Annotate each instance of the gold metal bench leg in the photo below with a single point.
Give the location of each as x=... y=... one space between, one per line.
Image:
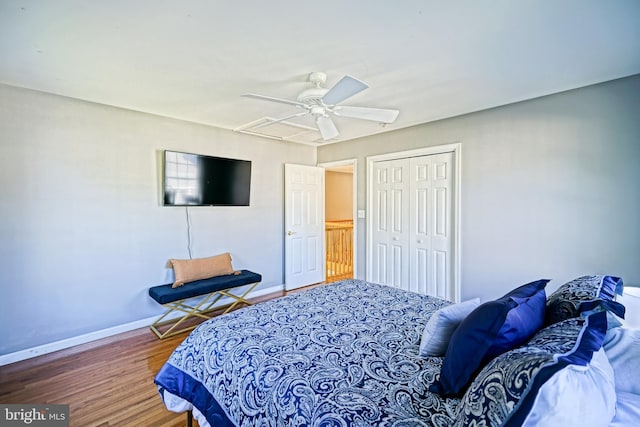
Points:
x=182 y=306
x=239 y=299
x=197 y=311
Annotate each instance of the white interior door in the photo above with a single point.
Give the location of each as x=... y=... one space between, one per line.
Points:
x=304 y=225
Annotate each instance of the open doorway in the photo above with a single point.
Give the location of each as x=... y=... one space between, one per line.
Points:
x=340 y=236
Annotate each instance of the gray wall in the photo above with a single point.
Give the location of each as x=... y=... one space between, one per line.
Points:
x=82 y=230
x=550 y=186
x=549 y=189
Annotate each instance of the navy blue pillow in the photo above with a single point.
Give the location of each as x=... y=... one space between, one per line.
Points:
x=521 y=323
x=491 y=329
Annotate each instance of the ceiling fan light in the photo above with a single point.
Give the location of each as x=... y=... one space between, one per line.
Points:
x=318 y=110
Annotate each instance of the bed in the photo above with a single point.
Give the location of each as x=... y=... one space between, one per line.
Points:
x=349 y=354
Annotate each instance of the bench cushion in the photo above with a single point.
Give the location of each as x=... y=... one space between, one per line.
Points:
x=164 y=294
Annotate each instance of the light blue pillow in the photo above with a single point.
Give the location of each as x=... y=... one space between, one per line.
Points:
x=490 y=329
x=441 y=325
x=561 y=374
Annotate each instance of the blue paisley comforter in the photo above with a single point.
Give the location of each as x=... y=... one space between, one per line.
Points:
x=344 y=354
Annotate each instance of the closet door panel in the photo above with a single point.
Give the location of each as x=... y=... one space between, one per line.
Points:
x=390 y=219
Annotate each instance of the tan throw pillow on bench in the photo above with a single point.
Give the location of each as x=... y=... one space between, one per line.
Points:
x=189 y=270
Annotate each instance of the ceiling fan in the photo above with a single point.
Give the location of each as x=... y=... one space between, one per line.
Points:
x=321 y=103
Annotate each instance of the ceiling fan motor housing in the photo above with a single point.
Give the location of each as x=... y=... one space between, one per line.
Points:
x=312 y=95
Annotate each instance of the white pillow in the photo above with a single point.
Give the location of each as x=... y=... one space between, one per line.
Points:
x=622 y=346
x=627 y=410
x=576 y=396
x=442 y=324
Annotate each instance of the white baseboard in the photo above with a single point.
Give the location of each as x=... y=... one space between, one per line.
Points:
x=29 y=353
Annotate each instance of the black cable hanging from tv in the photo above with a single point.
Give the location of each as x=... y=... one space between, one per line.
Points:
x=186 y=208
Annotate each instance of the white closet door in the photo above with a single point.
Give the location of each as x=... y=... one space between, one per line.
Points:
x=431 y=225
x=391 y=223
x=412 y=224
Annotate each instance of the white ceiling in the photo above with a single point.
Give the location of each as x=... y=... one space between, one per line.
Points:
x=192 y=59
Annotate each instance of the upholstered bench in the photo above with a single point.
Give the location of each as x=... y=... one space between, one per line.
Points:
x=211 y=290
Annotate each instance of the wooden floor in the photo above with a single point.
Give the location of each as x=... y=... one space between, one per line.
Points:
x=108 y=382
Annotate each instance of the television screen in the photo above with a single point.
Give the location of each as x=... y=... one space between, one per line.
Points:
x=197 y=180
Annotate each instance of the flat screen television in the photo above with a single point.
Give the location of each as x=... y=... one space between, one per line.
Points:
x=198 y=180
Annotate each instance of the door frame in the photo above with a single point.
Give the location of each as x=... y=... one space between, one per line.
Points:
x=354 y=203
x=456 y=149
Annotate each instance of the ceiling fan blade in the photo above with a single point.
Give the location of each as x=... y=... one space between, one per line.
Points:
x=327 y=128
x=272 y=99
x=271 y=122
x=375 y=114
x=345 y=88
